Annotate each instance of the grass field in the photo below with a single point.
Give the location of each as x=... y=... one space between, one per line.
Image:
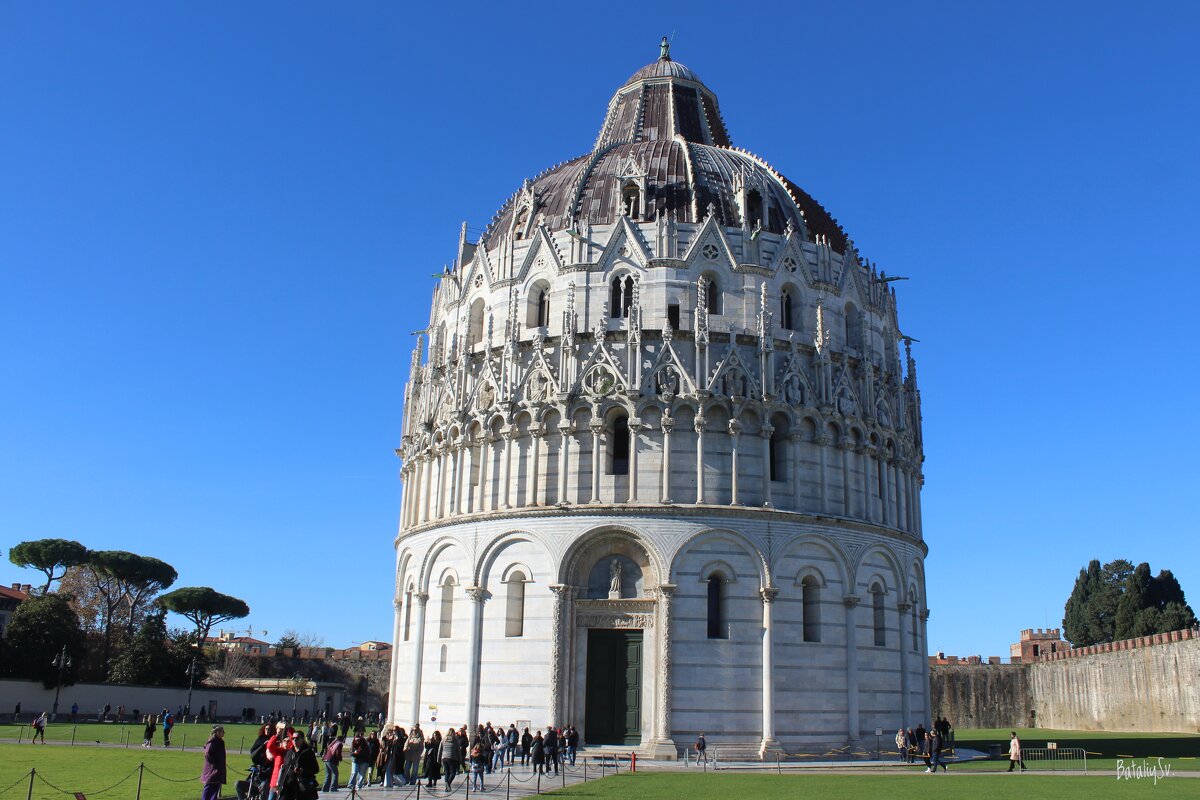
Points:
x=192 y=735
x=169 y=775
x=1103 y=748
x=672 y=786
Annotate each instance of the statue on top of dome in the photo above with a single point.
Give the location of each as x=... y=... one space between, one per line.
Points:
x=664 y=50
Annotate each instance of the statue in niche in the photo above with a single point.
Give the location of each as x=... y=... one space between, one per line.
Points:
x=487 y=396
x=600 y=382
x=668 y=381
x=846 y=405
x=793 y=392
x=614 y=579
x=885 y=419
x=539 y=387
x=735 y=384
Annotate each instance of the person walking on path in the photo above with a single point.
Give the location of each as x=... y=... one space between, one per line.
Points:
x=213 y=774
x=1014 y=753
x=414 y=748
x=332 y=756
x=701 y=749
x=168 y=723
x=902 y=745
x=360 y=762
x=935 y=751
x=537 y=754
x=39 y=728
x=450 y=754
x=148 y=732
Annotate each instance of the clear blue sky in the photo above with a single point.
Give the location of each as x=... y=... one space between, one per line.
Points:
x=218 y=223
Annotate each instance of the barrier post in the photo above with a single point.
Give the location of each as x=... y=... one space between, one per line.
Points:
x=73 y=729
x=508 y=787
x=32 y=772
x=184 y=742
x=778 y=766
x=539 y=783
x=141 y=769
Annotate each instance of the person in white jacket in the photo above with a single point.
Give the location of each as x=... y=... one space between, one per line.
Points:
x=1014 y=753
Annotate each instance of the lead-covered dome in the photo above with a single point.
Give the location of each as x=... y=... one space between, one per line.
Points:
x=663 y=148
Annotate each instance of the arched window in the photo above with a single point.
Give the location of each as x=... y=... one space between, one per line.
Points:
x=537 y=313
x=475 y=332
x=810 y=591
x=631 y=200
x=778 y=446
x=447 y=616
x=716 y=607
x=712 y=297
x=443 y=658
x=786 y=311
x=853 y=327
x=618 y=446
x=514 y=604
x=754 y=208
x=620 y=296
x=880 y=616
x=408 y=598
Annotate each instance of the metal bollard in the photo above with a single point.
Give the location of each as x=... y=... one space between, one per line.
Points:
x=141 y=769
x=73 y=729
x=32 y=772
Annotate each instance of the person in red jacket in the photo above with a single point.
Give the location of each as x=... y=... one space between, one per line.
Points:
x=277 y=748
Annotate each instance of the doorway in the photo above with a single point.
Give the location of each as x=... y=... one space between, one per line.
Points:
x=613 y=704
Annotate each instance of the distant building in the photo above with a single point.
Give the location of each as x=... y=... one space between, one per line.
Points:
x=1036 y=643
x=9 y=600
x=247 y=644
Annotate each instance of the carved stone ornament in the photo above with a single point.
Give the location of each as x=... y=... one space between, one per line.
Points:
x=614 y=613
x=600 y=381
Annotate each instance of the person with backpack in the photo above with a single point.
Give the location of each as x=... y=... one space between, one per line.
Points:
x=39 y=728
x=537 y=754
x=550 y=745
x=478 y=765
x=332 y=756
x=451 y=755
x=701 y=749
x=168 y=723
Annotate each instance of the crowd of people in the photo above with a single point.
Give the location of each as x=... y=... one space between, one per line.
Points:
x=929 y=745
x=393 y=757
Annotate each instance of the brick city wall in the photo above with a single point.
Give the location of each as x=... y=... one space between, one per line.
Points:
x=1149 y=684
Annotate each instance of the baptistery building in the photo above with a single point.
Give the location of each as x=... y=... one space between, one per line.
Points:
x=661 y=458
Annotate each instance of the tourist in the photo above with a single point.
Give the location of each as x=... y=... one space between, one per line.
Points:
x=148 y=731
x=499 y=749
x=701 y=749
x=514 y=742
x=450 y=755
x=74 y=711
x=1014 y=753
x=433 y=747
x=213 y=774
x=550 y=743
x=902 y=745
x=168 y=723
x=478 y=765
x=259 y=758
x=299 y=771
x=537 y=754
x=526 y=745
x=277 y=749
x=39 y=728
x=375 y=765
x=332 y=756
x=414 y=748
x=935 y=750
x=571 y=736
x=360 y=761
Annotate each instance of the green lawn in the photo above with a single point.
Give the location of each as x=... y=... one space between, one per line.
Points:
x=169 y=774
x=191 y=735
x=1106 y=745
x=721 y=786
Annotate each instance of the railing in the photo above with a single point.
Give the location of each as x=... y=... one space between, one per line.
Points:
x=1054 y=758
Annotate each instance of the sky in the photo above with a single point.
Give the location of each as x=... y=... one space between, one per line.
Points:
x=219 y=222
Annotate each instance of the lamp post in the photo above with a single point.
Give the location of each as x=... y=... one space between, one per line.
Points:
x=62 y=661
x=191 y=671
x=297 y=680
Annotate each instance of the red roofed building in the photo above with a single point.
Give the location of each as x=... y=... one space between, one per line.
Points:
x=10 y=598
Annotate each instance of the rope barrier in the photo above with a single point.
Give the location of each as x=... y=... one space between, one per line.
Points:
x=20 y=781
x=173 y=780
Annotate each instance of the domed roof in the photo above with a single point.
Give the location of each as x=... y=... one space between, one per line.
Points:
x=663 y=131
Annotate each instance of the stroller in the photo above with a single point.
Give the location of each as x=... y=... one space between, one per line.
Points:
x=255 y=785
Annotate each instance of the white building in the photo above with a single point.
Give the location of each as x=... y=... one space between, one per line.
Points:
x=661 y=460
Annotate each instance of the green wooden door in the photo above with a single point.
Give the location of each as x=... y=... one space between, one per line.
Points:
x=613 y=703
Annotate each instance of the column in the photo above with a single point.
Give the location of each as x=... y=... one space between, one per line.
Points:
x=918 y=523
x=905 y=644
x=822 y=446
x=901 y=500
x=635 y=428
x=478 y=595
x=868 y=506
x=483 y=502
x=557 y=652
x=597 y=428
x=506 y=455
x=564 y=429
x=418 y=657
x=461 y=506
x=668 y=425
x=769 y=743
x=846 y=446
x=735 y=429
x=664 y=745
x=925 y=662
x=426 y=485
x=536 y=432
x=765 y=433
x=393 y=714
x=797 y=472
x=700 y=426
x=850 y=601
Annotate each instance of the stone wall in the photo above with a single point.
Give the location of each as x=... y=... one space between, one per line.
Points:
x=1150 y=684
x=981 y=695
